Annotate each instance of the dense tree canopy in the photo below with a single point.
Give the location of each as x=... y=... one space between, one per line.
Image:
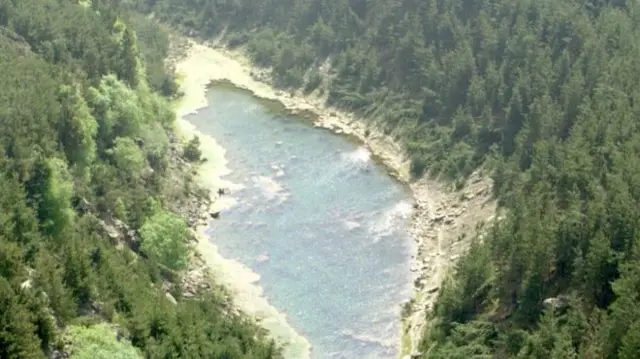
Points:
x=83 y=143
x=544 y=92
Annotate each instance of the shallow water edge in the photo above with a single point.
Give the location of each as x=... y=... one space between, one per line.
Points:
x=311 y=117
x=196 y=73
x=310 y=194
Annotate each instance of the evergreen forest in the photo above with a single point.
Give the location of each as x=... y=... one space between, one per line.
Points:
x=540 y=93
x=543 y=93
x=86 y=133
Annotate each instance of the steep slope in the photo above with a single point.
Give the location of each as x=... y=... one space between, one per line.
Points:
x=91 y=260
x=543 y=93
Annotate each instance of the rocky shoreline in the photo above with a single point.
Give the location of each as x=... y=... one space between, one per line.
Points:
x=443 y=220
x=195 y=71
x=194 y=209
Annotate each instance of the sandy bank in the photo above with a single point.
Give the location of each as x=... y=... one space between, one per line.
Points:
x=442 y=220
x=196 y=70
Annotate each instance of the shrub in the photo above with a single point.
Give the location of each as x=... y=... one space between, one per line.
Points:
x=100 y=342
x=192 y=150
x=315 y=79
x=164 y=238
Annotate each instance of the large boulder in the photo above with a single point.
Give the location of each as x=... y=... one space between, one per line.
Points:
x=556 y=304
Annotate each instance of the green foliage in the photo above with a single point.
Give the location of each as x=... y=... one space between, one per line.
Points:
x=100 y=342
x=468 y=294
x=262 y=47
x=486 y=58
x=55 y=208
x=314 y=80
x=192 y=150
x=77 y=128
x=164 y=237
x=17 y=332
x=127 y=156
x=154 y=49
x=83 y=139
x=542 y=92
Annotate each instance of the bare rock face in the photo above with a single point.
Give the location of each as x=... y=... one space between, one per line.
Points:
x=194 y=282
x=557 y=304
x=171 y=299
x=120 y=233
x=110 y=230
x=26 y=284
x=57 y=354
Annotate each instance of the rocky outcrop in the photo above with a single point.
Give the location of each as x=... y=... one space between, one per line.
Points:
x=120 y=233
x=557 y=304
x=443 y=219
x=196 y=281
x=443 y=223
x=184 y=196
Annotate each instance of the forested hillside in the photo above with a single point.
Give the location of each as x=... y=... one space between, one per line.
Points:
x=544 y=92
x=85 y=152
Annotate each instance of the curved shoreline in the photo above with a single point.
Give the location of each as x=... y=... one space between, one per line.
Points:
x=247 y=295
x=441 y=219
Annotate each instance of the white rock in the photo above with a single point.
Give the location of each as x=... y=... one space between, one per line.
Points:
x=171 y=299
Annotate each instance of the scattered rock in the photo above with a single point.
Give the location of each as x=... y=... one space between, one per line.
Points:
x=194 y=282
x=26 y=284
x=558 y=304
x=83 y=206
x=57 y=354
x=97 y=307
x=433 y=290
x=110 y=230
x=171 y=299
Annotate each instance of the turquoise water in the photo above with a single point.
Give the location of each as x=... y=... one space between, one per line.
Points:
x=318 y=220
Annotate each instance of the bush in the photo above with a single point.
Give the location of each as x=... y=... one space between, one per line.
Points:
x=418 y=164
x=315 y=79
x=236 y=39
x=164 y=238
x=192 y=150
x=100 y=342
x=262 y=48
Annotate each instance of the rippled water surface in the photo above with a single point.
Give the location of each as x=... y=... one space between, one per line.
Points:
x=323 y=226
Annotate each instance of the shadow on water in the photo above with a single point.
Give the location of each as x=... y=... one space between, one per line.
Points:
x=274 y=107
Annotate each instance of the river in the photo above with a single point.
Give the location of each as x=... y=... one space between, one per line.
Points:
x=319 y=221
